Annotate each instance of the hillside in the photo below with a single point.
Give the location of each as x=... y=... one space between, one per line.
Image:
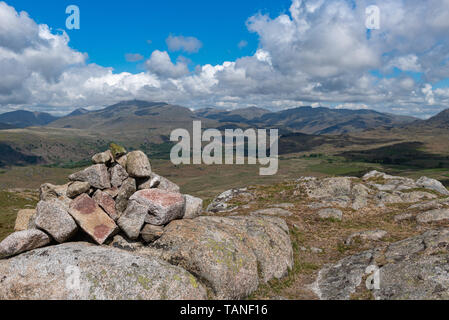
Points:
x=23 y=119
x=329 y=121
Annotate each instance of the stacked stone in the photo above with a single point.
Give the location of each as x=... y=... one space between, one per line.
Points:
x=119 y=193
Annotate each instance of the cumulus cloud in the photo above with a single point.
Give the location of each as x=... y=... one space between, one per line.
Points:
x=161 y=65
x=317 y=53
x=181 y=43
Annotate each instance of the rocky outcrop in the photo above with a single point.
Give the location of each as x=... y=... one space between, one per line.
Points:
x=225 y=253
x=81 y=271
x=151 y=243
x=414 y=268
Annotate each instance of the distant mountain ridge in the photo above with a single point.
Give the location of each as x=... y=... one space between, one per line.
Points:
x=135 y=115
x=23 y=119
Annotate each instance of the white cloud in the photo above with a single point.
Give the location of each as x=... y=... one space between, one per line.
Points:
x=181 y=43
x=315 y=54
x=161 y=65
x=133 y=57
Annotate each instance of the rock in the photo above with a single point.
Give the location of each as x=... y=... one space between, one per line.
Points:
x=127 y=189
x=97 y=176
x=102 y=158
x=53 y=217
x=49 y=191
x=113 y=192
x=22 y=241
x=122 y=160
x=285 y=206
x=432 y=184
x=218 y=257
x=433 y=216
x=118 y=175
x=272 y=212
x=404 y=217
x=92 y=219
x=24 y=219
x=76 y=188
x=117 y=151
x=107 y=203
x=226 y=252
x=372 y=235
x=104 y=273
x=330 y=213
x=221 y=202
x=157 y=181
x=316 y=250
x=122 y=243
x=151 y=233
x=415 y=268
x=162 y=206
x=193 y=207
x=138 y=165
x=132 y=220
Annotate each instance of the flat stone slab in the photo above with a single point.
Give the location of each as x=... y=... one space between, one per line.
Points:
x=24 y=217
x=92 y=219
x=22 y=241
x=107 y=203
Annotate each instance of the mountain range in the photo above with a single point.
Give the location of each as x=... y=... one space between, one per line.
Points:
x=147 y=126
x=142 y=115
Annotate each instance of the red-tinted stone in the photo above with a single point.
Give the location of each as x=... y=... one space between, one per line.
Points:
x=163 y=206
x=107 y=203
x=91 y=218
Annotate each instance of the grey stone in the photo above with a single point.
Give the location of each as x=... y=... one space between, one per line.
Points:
x=127 y=189
x=97 y=176
x=102 y=158
x=118 y=175
x=138 y=165
x=76 y=188
x=157 y=181
x=53 y=217
x=272 y=212
x=193 y=207
x=22 y=241
x=226 y=252
x=132 y=220
x=433 y=216
x=330 y=213
x=432 y=184
x=371 y=235
x=412 y=269
x=151 y=233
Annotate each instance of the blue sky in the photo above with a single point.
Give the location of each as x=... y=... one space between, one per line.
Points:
x=295 y=53
x=111 y=29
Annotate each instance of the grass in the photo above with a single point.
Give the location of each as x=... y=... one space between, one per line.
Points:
x=10 y=203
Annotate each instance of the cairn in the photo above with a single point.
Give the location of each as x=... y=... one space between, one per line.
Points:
x=118 y=194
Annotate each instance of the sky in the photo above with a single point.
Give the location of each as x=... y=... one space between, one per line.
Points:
x=234 y=54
